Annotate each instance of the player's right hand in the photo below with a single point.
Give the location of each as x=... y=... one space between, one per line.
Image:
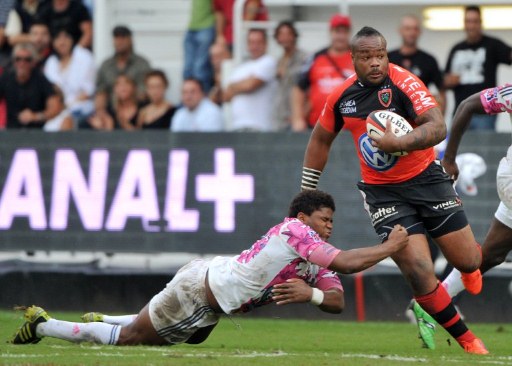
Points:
x=451 y=168
x=398 y=237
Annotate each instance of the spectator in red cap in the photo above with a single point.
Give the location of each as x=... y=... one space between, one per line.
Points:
x=323 y=72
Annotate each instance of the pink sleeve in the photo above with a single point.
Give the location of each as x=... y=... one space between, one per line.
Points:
x=497 y=100
x=308 y=244
x=323 y=255
x=488 y=98
x=327 y=280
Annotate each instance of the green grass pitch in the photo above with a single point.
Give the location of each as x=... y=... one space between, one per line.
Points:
x=268 y=342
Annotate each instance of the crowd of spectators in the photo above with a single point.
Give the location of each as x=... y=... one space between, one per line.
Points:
x=49 y=78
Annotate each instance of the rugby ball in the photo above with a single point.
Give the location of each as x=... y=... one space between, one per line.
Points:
x=376 y=125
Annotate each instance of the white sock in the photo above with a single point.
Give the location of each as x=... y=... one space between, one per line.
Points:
x=453 y=284
x=119 y=319
x=79 y=332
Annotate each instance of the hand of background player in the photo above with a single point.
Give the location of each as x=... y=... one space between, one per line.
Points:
x=294 y=290
x=388 y=142
x=398 y=238
x=451 y=168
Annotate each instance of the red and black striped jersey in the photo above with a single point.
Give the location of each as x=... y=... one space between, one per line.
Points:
x=348 y=106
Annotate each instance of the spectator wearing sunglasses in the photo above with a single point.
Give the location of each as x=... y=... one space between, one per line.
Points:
x=31 y=99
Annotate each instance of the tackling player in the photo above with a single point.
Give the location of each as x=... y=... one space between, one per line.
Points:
x=413 y=190
x=291 y=263
x=498 y=241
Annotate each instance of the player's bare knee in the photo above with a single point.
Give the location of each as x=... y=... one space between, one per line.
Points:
x=470 y=263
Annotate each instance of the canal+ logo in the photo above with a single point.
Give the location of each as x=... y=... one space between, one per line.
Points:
x=375 y=158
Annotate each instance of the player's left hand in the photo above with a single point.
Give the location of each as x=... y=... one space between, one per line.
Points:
x=294 y=290
x=389 y=142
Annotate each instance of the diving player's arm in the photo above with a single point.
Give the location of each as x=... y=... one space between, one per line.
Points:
x=359 y=259
x=295 y=290
x=332 y=299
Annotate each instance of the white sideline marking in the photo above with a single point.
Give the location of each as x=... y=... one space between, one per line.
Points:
x=240 y=355
x=25 y=355
x=500 y=360
x=383 y=357
x=257 y=354
x=419 y=359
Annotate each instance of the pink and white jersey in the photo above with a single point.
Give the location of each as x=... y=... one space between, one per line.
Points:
x=289 y=250
x=497 y=100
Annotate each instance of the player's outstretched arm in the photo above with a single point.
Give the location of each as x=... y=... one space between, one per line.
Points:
x=460 y=123
x=295 y=290
x=356 y=260
x=315 y=158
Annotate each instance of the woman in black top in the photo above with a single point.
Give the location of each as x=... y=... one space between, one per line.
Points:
x=124 y=112
x=158 y=112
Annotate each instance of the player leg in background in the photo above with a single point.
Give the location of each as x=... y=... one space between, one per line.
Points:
x=39 y=324
x=416 y=265
x=110 y=319
x=497 y=244
x=198 y=337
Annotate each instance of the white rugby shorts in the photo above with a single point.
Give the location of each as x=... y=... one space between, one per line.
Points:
x=504 y=187
x=504 y=179
x=182 y=308
x=504 y=215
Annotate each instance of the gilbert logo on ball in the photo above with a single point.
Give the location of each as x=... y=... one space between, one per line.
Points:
x=376 y=125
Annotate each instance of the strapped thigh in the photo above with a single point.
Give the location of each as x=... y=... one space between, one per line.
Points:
x=412 y=224
x=441 y=225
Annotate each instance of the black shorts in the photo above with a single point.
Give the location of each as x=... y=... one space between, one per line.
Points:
x=427 y=201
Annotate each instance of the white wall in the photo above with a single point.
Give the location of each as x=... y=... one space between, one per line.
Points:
x=159 y=27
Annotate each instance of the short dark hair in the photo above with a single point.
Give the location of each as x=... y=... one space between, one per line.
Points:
x=128 y=78
x=121 y=31
x=309 y=201
x=197 y=81
x=472 y=8
x=40 y=23
x=286 y=24
x=64 y=31
x=157 y=73
x=258 y=30
x=364 y=32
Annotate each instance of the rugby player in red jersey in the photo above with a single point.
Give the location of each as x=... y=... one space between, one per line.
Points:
x=413 y=190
